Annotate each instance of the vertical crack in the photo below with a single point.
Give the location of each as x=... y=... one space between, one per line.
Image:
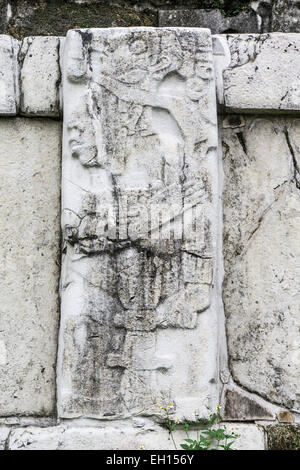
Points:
x=296 y=175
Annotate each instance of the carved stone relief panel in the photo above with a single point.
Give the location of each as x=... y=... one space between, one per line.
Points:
x=139 y=221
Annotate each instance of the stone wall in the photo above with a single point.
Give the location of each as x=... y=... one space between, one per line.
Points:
x=196 y=304
x=22 y=18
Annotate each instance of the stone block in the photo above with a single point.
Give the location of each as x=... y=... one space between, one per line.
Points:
x=139 y=326
x=120 y=436
x=30 y=153
x=262 y=252
x=243 y=406
x=285 y=417
x=244 y=22
x=251 y=436
x=40 y=76
x=9 y=78
x=4 y=432
x=263 y=75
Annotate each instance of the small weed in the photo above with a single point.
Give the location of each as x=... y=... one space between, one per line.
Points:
x=214 y=437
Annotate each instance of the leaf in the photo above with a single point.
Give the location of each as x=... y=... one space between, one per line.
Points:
x=185 y=446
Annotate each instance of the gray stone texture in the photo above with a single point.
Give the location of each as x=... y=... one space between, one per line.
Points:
x=286 y=16
x=40 y=76
x=120 y=436
x=139 y=322
x=30 y=213
x=261 y=255
x=9 y=76
x=263 y=75
x=244 y=22
x=240 y=406
x=4 y=432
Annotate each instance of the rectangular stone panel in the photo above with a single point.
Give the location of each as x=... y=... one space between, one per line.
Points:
x=262 y=255
x=246 y=21
x=29 y=244
x=40 y=76
x=124 y=435
x=9 y=76
x=264 y=73
x=139 y=221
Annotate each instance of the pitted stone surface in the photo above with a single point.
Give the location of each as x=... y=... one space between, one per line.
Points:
x=264 y=73
x=40 y=76
x=4 y=432
x=242 y=406
x=261 y=249
x=286 y=16
x=245 y=22
x=9 y=82
x=139 y=325
x=29 y=213
x=281 y=437
x=120 y=436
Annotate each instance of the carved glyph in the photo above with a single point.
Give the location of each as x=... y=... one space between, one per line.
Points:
x=139 y=222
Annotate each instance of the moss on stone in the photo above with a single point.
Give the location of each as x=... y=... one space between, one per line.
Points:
x=56 y=17
x=282 y=437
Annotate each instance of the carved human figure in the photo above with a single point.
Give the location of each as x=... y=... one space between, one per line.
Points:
x=144 y=122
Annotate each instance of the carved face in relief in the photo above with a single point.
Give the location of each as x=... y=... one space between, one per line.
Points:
x=80 y=141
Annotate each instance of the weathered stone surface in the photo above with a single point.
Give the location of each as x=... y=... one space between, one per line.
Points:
x=120 y=436
x=262 y=252
x=3 y=17
x=251 y=436
x=222 y=60
x=283 y=437
x=56 y=17
x=263 y=75
x=40 y=76
x=263 y=10
x=29 y=272
x=285 y=417
x=286 y=16
x=240 y=406
x=139 y=325
x=9 y=83
x=4 y=432
x=244 y=22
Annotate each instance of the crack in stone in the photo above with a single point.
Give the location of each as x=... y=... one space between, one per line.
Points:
x=294 y=160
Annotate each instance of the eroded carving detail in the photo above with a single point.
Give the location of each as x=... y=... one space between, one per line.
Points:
x=138 y=209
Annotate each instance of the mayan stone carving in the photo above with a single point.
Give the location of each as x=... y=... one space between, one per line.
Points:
x=139 y=325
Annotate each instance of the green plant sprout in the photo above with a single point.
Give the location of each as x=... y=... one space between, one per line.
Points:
x=215 y=436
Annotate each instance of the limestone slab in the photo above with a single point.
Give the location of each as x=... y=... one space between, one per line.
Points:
x=4 y=432
x=244 y=22
x=264 y=73
x=40 y=76
x=9 y=79
x=30 y=235
x=261 y=251
x=120 y=436
x=139 y=325
x=242 y=406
